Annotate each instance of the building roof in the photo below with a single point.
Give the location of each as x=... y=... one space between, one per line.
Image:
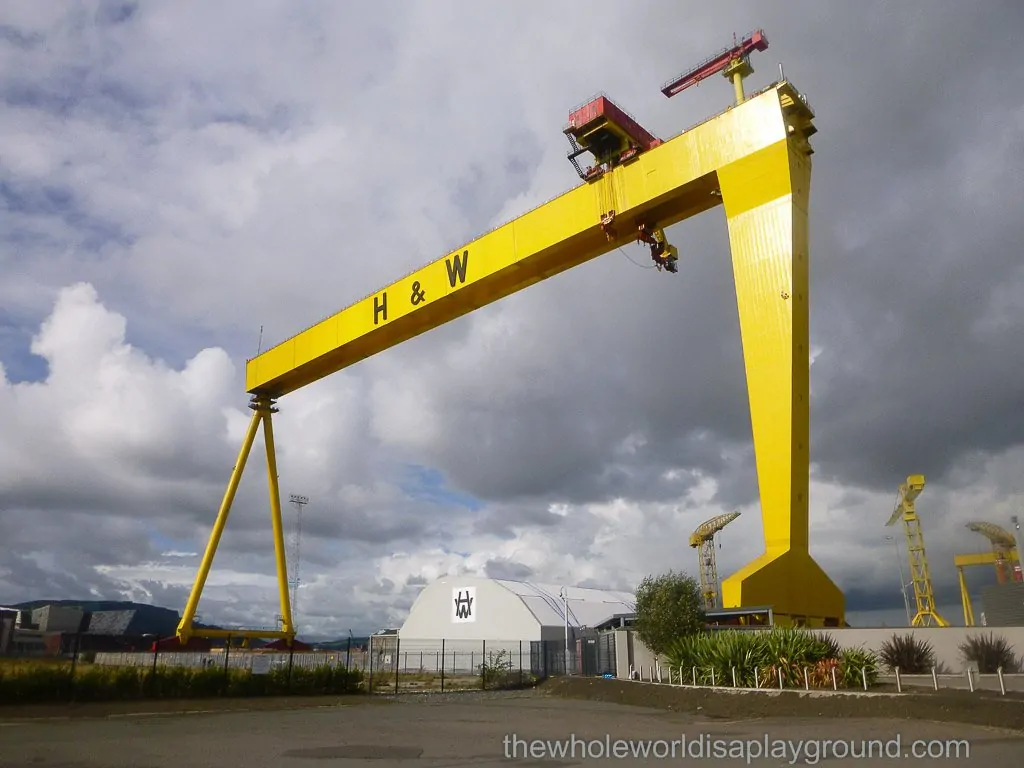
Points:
x=586 y=607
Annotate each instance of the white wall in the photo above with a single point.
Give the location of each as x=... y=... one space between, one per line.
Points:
x=945 y=642
x=495 y=614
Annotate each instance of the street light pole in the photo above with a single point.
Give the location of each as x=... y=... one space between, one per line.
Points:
x=903 y=583
x=565 y=612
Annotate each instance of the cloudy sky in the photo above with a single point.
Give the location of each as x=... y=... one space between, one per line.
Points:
x=176 y=177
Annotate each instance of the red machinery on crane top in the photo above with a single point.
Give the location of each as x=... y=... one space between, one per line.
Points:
x=606 y=131
x=755 y=41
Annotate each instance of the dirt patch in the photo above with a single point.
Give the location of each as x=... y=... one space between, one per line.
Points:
x=943 y=706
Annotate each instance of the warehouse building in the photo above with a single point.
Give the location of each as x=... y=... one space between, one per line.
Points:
x=460 y=622
x=468 y=608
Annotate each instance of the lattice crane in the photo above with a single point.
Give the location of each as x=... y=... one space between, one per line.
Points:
x=927 y=615
x=703 y=540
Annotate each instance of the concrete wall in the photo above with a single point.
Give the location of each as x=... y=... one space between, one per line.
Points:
x=945 y=642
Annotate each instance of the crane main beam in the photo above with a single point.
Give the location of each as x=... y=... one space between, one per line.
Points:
x=754 y=159
x=745 y=149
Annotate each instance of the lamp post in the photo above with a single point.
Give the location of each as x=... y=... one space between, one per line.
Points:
x=564 y=594
x=903 y=583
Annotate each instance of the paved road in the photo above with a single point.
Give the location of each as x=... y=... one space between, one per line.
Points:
x=466 y=731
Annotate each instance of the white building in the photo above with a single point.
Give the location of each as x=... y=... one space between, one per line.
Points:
x=471 y=609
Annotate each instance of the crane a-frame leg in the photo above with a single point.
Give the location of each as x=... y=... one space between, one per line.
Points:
x=262 y=408
x=766 y=195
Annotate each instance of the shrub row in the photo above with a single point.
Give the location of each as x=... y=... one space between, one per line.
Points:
x=758 y=656
x=32 y=684
x=914 y=656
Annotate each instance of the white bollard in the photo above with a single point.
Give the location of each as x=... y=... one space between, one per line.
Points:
x=757 y=679
x=864 y=676
x=835 y=685
x=970 y=679
x=935 y=679
x=734 y=677
x=694 y=677
x=1002 y=684
x=712 y=677
x=807 y=682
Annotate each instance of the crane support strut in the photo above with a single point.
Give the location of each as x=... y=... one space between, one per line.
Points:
x=754 y=159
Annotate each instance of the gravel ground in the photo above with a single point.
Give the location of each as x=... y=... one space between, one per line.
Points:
x=1006 y=712
x=943 y=706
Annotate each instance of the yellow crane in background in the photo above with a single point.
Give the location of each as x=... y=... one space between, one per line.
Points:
x=703 y=539
x=1003 y=556
x=924 y=595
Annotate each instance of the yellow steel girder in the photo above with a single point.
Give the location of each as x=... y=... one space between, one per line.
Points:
x=970 y=561
x=754 y=158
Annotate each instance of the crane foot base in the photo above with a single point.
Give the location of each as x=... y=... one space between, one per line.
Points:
x=793 y=585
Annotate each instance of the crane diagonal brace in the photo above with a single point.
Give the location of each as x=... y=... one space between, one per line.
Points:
x=755 y=160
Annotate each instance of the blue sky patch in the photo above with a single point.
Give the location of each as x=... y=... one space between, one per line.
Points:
x=429 y=485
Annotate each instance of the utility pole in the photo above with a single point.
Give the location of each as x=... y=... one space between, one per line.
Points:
x=903 y=582
x=298 y=501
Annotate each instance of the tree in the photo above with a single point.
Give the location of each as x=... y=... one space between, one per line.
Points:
x=667 y=607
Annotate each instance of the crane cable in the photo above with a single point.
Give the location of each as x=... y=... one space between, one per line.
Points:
x=642 y=266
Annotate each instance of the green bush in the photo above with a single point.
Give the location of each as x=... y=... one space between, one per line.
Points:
x=667 y=607
x=758 y=656
x=908 y=654
x=31 y=684
x=990 y=653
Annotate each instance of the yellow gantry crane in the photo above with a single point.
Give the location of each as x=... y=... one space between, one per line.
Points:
x=703 y=540
x=927 y=615
x=1004 y=557
x=754 y=159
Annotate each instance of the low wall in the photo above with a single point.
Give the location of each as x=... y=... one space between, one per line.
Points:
x=945 y=641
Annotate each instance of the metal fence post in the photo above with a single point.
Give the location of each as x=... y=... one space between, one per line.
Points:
x=483 y=665
x=398 y=646
x=369 y=658
x=1002 y=683
x=442 y=665
x=899 y=683
x=520 y=663
x=227 y=652
x=291 y=661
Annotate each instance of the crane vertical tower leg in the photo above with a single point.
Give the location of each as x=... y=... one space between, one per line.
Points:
x=766 y=196
x=708 y=574
x=262 y=407
x=965 y=598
